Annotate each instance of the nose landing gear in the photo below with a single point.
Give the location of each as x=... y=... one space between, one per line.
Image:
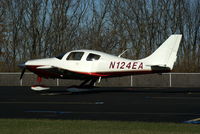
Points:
x=39 y=87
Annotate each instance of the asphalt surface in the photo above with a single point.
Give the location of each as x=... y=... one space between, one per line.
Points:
x=125 y=104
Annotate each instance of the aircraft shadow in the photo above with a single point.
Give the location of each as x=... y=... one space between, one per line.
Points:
x=94 y=90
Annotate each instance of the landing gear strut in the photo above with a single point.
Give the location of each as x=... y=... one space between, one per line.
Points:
x=91 y=83
x=39 y=79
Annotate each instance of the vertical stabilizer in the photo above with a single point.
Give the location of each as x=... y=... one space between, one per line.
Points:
x=166 y=54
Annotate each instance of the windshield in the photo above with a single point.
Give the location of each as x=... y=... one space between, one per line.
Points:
x=60 y=56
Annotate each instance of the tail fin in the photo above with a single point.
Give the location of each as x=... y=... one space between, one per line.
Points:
x=166 y=54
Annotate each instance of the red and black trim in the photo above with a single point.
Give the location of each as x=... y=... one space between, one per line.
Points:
x=68 y=74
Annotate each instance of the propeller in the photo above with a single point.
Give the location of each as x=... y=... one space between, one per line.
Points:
x=23 y=66
x=22 y=73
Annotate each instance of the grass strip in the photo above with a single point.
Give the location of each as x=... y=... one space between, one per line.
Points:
x=45 y=126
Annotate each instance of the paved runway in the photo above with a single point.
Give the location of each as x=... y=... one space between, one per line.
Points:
x=130 y=104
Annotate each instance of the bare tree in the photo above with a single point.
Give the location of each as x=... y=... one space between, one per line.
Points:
x=43 y=28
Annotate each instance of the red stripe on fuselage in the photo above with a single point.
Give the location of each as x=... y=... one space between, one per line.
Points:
x=93 y=73
x=117 y=73
x=48 y=74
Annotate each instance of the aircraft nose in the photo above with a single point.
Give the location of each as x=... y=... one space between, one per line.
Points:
x=22 y=65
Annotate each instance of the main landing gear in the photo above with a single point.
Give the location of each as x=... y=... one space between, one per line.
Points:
x=86 y=85
x=90 y=81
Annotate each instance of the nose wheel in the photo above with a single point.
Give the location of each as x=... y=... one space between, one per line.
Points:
x=39 y=87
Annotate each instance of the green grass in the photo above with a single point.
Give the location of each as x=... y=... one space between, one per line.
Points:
x=45 y=126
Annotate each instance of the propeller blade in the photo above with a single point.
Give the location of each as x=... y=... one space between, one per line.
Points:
x=24 y=69
x=23 y=66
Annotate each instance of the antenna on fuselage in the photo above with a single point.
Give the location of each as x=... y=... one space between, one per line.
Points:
x=123 y=53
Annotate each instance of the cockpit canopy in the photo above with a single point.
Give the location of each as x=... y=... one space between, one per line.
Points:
x=75 y=56
x=78 y=56
x=92 y=57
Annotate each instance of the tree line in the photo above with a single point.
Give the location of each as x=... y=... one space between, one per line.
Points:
x=44 y=28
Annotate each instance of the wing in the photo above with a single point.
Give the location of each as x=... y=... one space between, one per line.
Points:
x=57 y=72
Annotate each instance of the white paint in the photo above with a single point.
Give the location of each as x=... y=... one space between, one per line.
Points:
x=39 y=88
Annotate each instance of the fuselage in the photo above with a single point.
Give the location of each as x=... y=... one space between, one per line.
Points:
x=80 y=64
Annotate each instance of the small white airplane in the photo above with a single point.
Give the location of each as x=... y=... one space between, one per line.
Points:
x=90 y=65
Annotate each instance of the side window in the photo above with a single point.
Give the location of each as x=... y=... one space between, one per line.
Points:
x=75 y=56
x=92 y=57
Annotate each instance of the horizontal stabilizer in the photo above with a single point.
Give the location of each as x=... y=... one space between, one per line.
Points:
x=159 y=65
x=160 y=68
